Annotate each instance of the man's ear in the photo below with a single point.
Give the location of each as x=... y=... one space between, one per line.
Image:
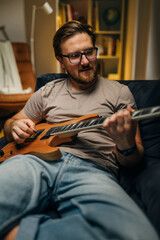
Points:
x=60 y=61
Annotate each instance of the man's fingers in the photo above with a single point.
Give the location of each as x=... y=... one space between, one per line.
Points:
x=22 y=129
x=30 y=124
x=119 y=122
x=17 y=138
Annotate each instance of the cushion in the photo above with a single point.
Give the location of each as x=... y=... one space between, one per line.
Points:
x=146 y=94
x=43 y=79
x=143 y=184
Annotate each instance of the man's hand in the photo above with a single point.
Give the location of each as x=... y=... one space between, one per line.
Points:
x=21 y=129
x=125 y=132
x=121 y=128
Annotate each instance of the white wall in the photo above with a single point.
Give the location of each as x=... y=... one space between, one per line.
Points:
x=153 y=60
x=12 y=17
x=141 y=38
x=44 y=30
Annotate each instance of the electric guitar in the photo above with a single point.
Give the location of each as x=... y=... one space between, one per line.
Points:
x=44 y=141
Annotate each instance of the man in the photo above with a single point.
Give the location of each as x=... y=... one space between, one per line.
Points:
x=82 y=184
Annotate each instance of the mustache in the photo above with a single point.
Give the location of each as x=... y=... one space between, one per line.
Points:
x=85 y=67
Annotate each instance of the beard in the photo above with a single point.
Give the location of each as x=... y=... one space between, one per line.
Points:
x=87 y=79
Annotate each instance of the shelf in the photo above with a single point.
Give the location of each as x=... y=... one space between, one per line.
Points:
x=107 y=57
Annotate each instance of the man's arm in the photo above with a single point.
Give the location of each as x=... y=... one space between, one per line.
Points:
x=19 y=127
x=12 y=234
x=135 y=157
x=126 y=135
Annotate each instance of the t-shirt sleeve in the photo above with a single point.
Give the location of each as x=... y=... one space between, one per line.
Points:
x=34 y=107
x=125 y=98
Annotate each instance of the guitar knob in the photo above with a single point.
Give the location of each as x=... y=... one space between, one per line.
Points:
x=1 y=153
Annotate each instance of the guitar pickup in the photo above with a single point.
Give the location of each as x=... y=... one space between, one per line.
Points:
x=34 y=135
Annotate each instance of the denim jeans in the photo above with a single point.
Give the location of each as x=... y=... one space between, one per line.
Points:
x=91 y=204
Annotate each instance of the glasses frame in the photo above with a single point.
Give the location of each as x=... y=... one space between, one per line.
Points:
x=82 y=53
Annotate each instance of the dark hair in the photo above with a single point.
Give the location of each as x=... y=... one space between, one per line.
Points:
x=69 y=29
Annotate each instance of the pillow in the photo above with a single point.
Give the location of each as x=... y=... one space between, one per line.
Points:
x=146 y=94
x=43 y=79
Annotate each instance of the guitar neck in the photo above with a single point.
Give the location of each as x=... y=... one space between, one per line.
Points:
x=137 y=115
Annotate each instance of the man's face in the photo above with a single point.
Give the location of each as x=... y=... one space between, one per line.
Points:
x=84 y=73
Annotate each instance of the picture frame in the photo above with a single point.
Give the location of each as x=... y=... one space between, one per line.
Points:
x=109 y=14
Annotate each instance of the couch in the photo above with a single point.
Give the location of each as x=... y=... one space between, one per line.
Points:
x=142 y=183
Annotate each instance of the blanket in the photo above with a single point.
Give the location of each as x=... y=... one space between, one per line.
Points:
x=10 y=82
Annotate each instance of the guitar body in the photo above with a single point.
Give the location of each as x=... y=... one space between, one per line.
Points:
x=40 y=146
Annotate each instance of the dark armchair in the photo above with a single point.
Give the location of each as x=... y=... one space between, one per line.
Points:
x=142 y=184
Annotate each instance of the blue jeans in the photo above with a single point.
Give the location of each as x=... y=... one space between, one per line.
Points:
x=89 y=200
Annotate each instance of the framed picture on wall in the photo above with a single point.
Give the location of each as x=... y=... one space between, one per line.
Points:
x=109 y=15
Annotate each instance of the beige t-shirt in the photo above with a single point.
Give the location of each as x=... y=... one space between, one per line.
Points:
x=56 y=102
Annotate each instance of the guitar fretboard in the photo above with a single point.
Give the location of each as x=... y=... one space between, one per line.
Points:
x=98 y=122
x=79 y=126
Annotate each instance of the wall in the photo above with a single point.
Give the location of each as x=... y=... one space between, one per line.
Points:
x=142 y=48
x=142 y=40
x=12 y=17
x=137 y=39
x=16 y=16
x=44 y=30
x=153 y=61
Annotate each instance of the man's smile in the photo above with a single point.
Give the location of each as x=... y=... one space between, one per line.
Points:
x=86 y=69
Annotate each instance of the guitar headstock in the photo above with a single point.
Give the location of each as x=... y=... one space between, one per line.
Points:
x=146 y=113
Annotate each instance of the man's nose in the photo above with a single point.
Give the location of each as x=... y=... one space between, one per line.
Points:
x=84 y=60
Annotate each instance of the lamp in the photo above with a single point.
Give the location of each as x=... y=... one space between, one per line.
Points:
x=48 y=10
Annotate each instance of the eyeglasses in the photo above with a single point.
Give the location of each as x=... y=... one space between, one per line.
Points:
x=76 y=57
